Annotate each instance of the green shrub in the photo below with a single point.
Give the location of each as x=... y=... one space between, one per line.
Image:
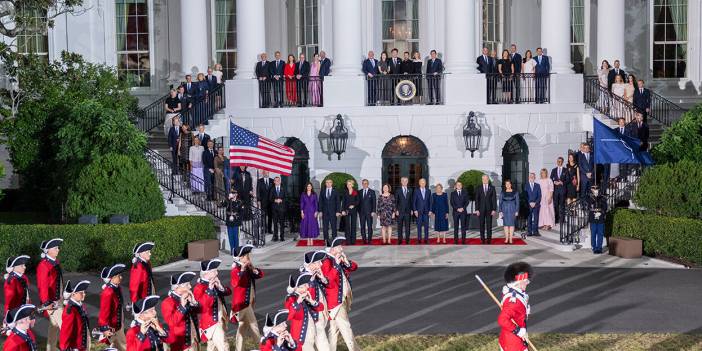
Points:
x=91 y=247
x=117 y=184
x=470 y=180
x=339 y=179
x=668 y=236
x=672 y=189
x=683 y=140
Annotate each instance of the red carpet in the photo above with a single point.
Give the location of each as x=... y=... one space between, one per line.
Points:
x=432 y=241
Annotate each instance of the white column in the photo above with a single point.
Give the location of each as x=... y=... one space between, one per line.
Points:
x=347 y=38
x=555 y=34
x=460 y=36
x=610 y=31
x=250 y=36
x=193 y=37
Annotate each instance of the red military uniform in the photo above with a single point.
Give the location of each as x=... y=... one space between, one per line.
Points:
x=209 y=301
x=74 y=328
x=49 y=281
x=270 y=343
x=141 y=283
x=515 y=307
x=243 y=284
x=18 y=341
x=16 y=289
x=299 y=315
x=136 y=341
x=111 y=303
x=181 y=321
x=335 y=273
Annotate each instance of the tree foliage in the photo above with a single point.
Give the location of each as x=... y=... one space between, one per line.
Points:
x=19 y=16
x=683 y=140
x=339 y=181
x=470 y=179
x=672 y=189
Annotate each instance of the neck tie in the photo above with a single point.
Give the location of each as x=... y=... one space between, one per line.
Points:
x=559 y=172
x=459 y=193
x=277 y=190
x=485 y=189
x=328 y=192
x=641 y=90
x=404 y=191
x=365 y=192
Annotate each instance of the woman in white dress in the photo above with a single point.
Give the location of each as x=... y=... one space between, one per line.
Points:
x=528 y=79
x=218 y=72
x=602 y=78
x=630 y=87
x=619 y=89
x=195 y=157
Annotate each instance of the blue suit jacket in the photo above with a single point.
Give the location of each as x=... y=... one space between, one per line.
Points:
x=517 y=61
x=369 y=68
x=325 y=67
x=173 y=137
x=436 y=67
x=276 y=68
x=544 y=67
x=533 y=195
x=584 y=165
x=564 y=178
x=419 y=204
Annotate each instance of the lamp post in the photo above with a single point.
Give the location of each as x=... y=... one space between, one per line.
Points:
x=472 y=134
x=338 y=136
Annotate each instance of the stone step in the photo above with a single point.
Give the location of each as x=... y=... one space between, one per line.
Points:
x=551 y=239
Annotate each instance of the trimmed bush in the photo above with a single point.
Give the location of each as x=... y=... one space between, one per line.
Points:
x=672 y=189
x=668 y=236
x=339 y=179
x=470 y=180
x=683 y=140
x=91 y=247
x=117 y=184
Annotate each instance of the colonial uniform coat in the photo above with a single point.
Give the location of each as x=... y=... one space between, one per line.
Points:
x=50 y=286
x=515 y=309
x=141 y=282
x=212 y=310
x=270 y=343
x=75 y=328
x=19 y=341
x=16 y=291
x=243 y=283
x=339 y=296
x=302 y=318
x=151 y=340
x=182 y=323
x=111 y=316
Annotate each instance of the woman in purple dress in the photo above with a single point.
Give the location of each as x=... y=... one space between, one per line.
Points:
x=309 y=227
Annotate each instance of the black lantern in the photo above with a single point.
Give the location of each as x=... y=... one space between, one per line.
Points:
x=338 y=135
x=472 y=134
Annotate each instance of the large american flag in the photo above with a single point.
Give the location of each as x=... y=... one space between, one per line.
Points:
x=247 y=148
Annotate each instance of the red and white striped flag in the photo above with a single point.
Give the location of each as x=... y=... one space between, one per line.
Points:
x=247 y=148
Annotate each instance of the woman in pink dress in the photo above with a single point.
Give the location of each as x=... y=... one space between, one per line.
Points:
x=546 y=213
x=315 y=87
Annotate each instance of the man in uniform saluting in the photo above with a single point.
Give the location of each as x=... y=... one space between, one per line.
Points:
x=515 y=308
x=50 y=286
x=337 y=269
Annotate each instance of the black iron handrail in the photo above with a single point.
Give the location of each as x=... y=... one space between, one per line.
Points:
x=520 y=88
x=380 y=89
x=291 y=92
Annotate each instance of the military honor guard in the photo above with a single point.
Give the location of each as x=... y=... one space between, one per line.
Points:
x=597 y=208
x=141 y=281
x=19 y=322
x=275 y=333
x=317 y=287
x=209 y=294
x=146 y=333
x=75 y=327
x=16 y=286
x=111 y=316
x=337 y=270
x=243 y=283
x=303 y=312
x=515 y=308
x=179 y=311
x=50 y=286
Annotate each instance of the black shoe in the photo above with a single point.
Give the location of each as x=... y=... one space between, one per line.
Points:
x=282 y=239
x=275 y=238
x=536 y=234
x=463 y=242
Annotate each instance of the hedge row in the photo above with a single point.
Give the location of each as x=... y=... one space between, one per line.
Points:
x=91 y=247
x=668 y=236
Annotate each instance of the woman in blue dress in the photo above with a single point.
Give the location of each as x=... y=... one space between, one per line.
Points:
x=439 y=210
x=509 y=210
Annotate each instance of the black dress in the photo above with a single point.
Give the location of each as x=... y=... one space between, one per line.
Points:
x=418 y=76
x=571 y=173
x=506 y=75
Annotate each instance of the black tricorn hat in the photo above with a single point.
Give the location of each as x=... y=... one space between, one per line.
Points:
x=314 y=256
x=278 y=318
x=518 y=271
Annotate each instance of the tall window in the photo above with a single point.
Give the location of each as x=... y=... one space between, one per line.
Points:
x=225 y=36
x=133 y=59
x=401 y=25
x=492 y=24
x=577 y=35
x=34 y=40
x=307 y=25
x=669 y=38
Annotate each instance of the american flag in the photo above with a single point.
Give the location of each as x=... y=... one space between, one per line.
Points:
x=247 y=148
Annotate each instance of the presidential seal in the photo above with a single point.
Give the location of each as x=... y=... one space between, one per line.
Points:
x=405 y=90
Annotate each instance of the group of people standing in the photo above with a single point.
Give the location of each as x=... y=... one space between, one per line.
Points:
x=634 y=96
x=512 y=78
x=192 y=100
x=291 y=82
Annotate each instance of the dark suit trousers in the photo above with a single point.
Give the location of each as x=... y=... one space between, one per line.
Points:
x=278 y=91
x=459 y=218
x=584 y=186
x=351 y=223
x=559 y=195
x=403 y=222
x=541 y=83
x=491 y=88
x=372 y=91
x=278 y=223
x=533 y=221
x=264 y=91
x=485 y=219
x=329 y=221
x=268 y=214
x=208 y=183
x=366 y=226
x=434 y=83
x=302 y=91
x=423 y=223
x=516 y=85
x=176 y=163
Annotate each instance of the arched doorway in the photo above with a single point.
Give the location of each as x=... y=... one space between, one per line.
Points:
x=515 y=161
x=404 y=156
x=295 y=183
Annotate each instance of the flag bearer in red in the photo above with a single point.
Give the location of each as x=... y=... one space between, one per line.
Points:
x=16 y=287
x=75 y=328
x=141 y=281
x=275 y=333
x=146 y=333
x=303 y=312
x=179 y=311
x=317 y=288
x=337 y=270
x=515 y=308
x=111 y=316
x=209 y=294
x=243 y=282
x=50 y=286
x=20 y=322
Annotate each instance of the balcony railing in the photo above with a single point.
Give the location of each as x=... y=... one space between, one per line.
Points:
x=291 y=92
x=523 y=88
x=395 y=89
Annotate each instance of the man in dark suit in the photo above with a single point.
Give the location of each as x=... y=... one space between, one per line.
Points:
x=586 y=165
x=329 y=208
x=324 y=64
x=190 y=86
x=174 y=142
x=403 y=203
x=560 y=179
x=640 y=131
x=485 y=207
x=406 y=66
x=208 y=156
x=211 y=79
x=263 y=190
x=370 y=69
x=613 y=73
x=262 y=74
x=459 y=202
x=204 y=137
x=516 y=60
x=276 y=197
x=243 y=184
x=642 y=99
x=533 y=192
x=276 y=75
x=185 y=104
x=542 y=71
x=421 y=203
x=394 y=68
x=302 y=74
x=366 y=211
x=485 y=66
x=434 y=70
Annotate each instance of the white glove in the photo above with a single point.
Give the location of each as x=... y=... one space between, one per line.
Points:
x=522 y=333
